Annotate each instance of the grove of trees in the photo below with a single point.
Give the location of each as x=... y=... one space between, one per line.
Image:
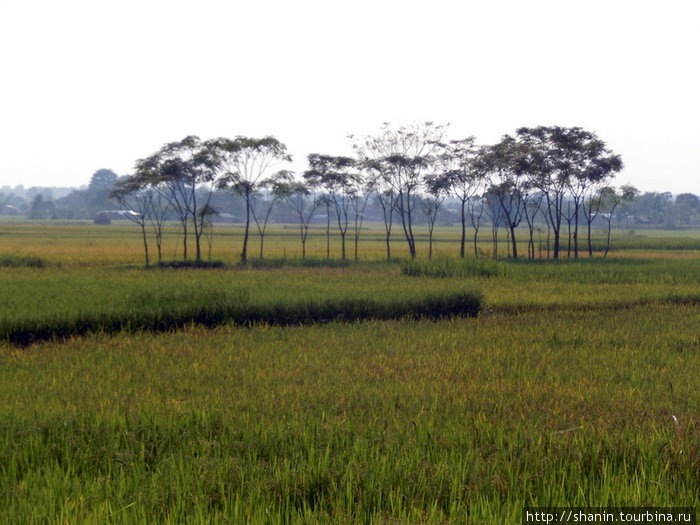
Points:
x=547 y=179
x=552 y=174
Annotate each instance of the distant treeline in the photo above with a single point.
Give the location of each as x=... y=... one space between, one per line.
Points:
x=546 y=179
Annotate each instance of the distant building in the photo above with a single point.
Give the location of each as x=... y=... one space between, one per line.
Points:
x=107 y=216
x=10 y=210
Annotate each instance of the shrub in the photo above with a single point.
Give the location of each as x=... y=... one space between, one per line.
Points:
x=27 y=261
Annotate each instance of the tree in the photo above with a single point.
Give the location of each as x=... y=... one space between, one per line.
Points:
x=265 y=200
x=303 y=200
x=593 y=165
x=135 y=203
x=687 y=206
x=386 y=197
x=653 y=208
x=245 y=161
x=557 y=159
x=466 y=180
x=475 y=208
x=494 y=210
x=207 y=213
x=406 y=154
x=359 y=198
x=531 y=207
x=333 y=176
x=42 y=208
x=612 y=198
x=437 y=187
x=102 y=180
x=177 y=171
x=97 y=194
x=143 y=206
x=507 y=184
x=592 y=206
x=5 y=200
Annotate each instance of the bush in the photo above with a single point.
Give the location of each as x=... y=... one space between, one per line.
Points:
x=17 y=261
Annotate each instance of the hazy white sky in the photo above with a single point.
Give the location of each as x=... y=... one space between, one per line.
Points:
x=101 y=83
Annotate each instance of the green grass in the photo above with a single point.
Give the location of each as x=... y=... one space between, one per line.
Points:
x=78 y=244
x=355 y=423
x=67 y=303
x=576 y=385
x=583 y=271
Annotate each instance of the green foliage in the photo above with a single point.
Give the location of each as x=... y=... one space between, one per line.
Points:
x=16 y=261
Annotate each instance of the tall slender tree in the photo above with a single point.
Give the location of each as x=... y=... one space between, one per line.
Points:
x=436 y=191
x=137 y=205
x=385 y=196
x=561 y=160
x=407 y=154
x=184 y=173
x=593 y=164
x=507 y=184
x=265 y=199
x=335 y=176
x=459 y=163
x=304 y=201
x=245 y=162
x=612 y=198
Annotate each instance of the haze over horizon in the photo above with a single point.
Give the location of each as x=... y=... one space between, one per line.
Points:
x=99 y=85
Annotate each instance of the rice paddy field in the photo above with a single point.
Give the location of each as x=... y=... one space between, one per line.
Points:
x=289 y=391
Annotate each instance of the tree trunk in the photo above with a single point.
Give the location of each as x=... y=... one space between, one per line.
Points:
x=607 y=245
x=463 y=240
x=576 y=209
x=244 y=253
x=513 y=242
x=405 y=212
x=494 y=230
x=145 y=243
x=328 y=230
x=476 y=250
x=411 y=238
x=184 y=241
x=357 y=235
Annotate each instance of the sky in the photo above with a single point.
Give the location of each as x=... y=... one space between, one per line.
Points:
x=91 y=84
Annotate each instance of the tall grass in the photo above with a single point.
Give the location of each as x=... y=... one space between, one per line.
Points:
x=65 y=304
x=593 y=271
x=575 y=386
x=376 y=422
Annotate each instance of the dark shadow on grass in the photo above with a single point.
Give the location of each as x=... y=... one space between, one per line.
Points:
x=217 y=312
